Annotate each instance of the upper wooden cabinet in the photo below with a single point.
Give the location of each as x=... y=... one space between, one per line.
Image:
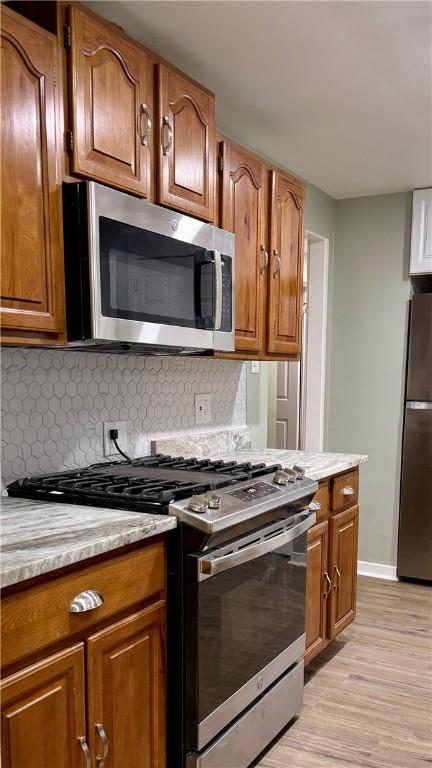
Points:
x=243 y=211
x=110 y=102
x=286 y=256
x=32 y=284
x=43 y=716
x=186 y=146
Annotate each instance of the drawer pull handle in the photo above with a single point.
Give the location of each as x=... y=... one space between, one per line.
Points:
x=100 y=759
x=348 y=491
x=337 y=583
x=86 y=601
x=84 y=746
x=314 y=506
x=329 y=584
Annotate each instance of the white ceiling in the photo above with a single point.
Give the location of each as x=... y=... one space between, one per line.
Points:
x=340 y=93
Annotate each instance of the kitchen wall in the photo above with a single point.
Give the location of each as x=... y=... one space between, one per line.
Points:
x=369 y=317
x=54 y=403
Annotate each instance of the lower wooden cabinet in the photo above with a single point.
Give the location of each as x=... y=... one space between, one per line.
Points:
x=318 y=588
x=343 y=567
x=331 y=584
x=100 y=700
x=126 y=691
x=42 y=713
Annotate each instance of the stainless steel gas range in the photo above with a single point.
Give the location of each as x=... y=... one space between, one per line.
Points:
x=236 y=593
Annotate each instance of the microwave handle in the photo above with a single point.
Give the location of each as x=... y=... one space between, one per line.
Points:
x=217 y=265
x=210 y=566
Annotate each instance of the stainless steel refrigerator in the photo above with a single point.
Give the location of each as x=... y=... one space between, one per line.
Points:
x=415 y=518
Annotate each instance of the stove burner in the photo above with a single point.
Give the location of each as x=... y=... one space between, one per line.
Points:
x=147 y=484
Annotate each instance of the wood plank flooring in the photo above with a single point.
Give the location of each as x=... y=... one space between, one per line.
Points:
x=368 y=697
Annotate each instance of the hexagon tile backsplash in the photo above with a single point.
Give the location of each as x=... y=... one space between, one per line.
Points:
x=54 y=403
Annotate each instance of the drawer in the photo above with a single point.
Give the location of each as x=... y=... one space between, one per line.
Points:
x=322 y=497
x=345 y=490
x=40 y=616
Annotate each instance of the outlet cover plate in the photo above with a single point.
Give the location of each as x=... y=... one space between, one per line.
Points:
x=108 y=445
x=202 y=409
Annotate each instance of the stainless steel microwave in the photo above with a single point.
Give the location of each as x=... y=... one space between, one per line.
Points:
x=143 y=278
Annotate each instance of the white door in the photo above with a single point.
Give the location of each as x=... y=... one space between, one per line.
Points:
x=288 y=405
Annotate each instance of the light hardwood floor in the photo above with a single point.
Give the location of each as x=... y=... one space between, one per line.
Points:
x=368 y=697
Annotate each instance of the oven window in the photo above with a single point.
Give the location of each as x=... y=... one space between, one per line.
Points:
x=247 y=616
x=153 y=278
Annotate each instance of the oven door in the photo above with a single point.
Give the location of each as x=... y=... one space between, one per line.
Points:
x=244 y=623
x=157 y=277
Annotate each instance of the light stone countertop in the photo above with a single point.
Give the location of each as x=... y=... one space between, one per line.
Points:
x=38 y=537
x=211 y=445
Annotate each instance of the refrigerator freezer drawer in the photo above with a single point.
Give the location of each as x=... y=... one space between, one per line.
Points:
x=415 y=521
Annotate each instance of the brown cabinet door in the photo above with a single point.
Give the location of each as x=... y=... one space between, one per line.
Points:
x=318 y=586
x=286 y=261
x=243 y=211
x=343 y=569
x=186 y=149
x=110 y=105
x=43 y=715
x=32 y=284
x=126 y=691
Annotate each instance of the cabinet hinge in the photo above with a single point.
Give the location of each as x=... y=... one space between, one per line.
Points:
x=69 y=141
x=220 y=163
x=67 y=37
x=55 y=76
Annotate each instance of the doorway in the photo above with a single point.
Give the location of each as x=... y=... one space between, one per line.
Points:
x=296 y=390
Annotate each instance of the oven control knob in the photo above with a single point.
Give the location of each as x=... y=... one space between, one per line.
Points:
x=281 y=477
x=213 y=500
x=300 y=471
x=198 y=503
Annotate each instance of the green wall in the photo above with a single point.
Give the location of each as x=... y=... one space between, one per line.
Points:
x=365 y=396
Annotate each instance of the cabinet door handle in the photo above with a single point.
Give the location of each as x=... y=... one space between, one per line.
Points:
x=84 y=746
x=100 y=759
x=144 y=112
x=86 y=601
x=278 y=265
x=329 y=585
x=264 y=264
x=336 y=584
x=348 y=491
x=166 y=124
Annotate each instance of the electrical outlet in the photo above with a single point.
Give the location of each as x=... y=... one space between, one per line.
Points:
x=108 y=445
x=254 y=366
x=202 y=409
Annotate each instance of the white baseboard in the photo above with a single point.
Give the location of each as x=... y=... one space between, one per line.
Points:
x=376 y=570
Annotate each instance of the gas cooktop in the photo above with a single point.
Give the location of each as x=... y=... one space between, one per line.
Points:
x=148 y=484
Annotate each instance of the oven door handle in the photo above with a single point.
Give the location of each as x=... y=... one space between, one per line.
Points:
x=210 y=566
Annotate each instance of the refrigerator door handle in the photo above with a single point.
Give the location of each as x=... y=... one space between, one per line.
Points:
x=419 y=405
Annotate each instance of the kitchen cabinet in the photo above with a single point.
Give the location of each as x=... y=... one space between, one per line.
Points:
x=243 y=211
x=286 y=262
x=421 y=233
x=42 y=713
x=265 y=209
x=186 y=146
x=105 y=694
x=331 y=585
x=110 y=102
x=125 y=676
x=343 y=567
x=32 y=296
x=318 y=588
